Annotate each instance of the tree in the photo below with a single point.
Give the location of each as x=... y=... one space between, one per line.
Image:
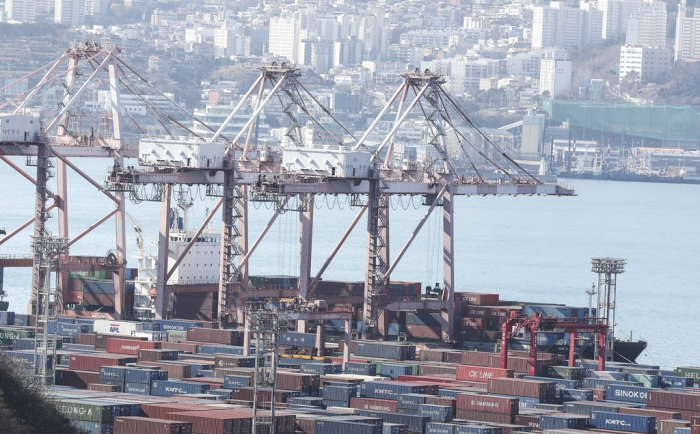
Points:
x=24 y=407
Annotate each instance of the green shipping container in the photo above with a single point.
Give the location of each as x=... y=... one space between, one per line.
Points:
x=650 y=381
x=566 y=372
x=690 y=372
x=7 y=334
x=88 y=411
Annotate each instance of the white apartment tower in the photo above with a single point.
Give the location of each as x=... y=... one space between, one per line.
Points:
x=555 y=76
x=284 y=34
x=647 y=26
x=70 y=12
x=563 y=27
x=20 y=10
x=647 y=62
x=687 y=33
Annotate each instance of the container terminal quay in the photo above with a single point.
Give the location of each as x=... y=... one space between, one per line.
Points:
x=168 y=346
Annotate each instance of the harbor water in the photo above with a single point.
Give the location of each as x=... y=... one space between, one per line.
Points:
x=535 y=249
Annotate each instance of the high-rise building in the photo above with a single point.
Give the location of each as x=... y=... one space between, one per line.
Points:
x=555 y=77
x=70 y=12
x=687 y=33
x=20 y=10
x=647 y=62
x=284 y=35
x=564 y=27
x=96 y=8
x=647 y=25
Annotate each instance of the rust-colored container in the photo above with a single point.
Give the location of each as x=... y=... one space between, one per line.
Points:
x=105 y=387
x=519 y=387
x=658 y=414
x=128 y=346
x=222 y=372
x=93 y=362
x=432 y=355
x=475 y=358
x=153 y=355
x=144 y=425
x=489 y=404
x=420 y=331
x=674 y=400
x=667 y=426
x=102 y=339
x=297 y=381
x=185 y=347
x=161 y=410
x=437 y=370
x=437 y=379
x=484 y=416
x=374 y=404
x=85 y=339
x=532 y=421
x=477 y=298
x=306 y=424
x=76 y=378
x=442 y=400
x=453 y=357
x=216 y=336
x=482 y=373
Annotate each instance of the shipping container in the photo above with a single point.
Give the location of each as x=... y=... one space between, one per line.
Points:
x=361 y=368
x=673 y=400
x=333 y=426
x=484 y=416
x=386 y=389
x=416 y=424
x=488 y=403
x=374 y=404
x=167 y=325
x=481 y=374
x=623 y=422
x=438 y=413
x=626 y=393
x=385 y=350
x=563 y=421
x=217 y=336
x=566 y=395
x=172 y=387
x=145 y=425
x=117 y=327
x=519 y=387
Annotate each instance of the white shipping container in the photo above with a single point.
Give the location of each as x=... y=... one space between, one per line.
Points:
x=123 y=328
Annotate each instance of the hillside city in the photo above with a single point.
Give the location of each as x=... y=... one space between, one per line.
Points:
x=503 y=60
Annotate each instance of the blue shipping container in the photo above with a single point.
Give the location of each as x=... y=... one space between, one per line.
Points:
x=167 y=325
x=626 y=393
x=438 y=413
x=566 y=395
x=479 y=429
x=137 y=388
x=623 y=422
x=304 y=340
x=393 y=371
x=233 y=381
x=557 y=421
x=361 y=368
x=171 y=387
x=440 y=428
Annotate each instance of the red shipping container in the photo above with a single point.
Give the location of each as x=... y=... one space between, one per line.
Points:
x=145 y=425
x=477 y=298
x=175 y=371
x=85 y=339
x=695 y=429
x=442 y=400
x=161 y=410
x=695 y=420
x=76 y=378
x=185 y=347
x=532 y=421
x=216 y=336
x=475 y=323
x=667 y=426
x=674 y=400
x=93 y=362
x=658 y=414
x=475 y=358
x=437 y=370
x=127 y=346
x=453 y=357
x=484 y=416
x=519 y=387
x=423 y=331
x=374 y=404
x=72 y=296
x=432 y=355
x=481 y=373
x=431 y=379
x=489 y=404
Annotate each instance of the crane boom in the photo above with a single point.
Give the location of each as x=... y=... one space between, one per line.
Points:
x=139 y=233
